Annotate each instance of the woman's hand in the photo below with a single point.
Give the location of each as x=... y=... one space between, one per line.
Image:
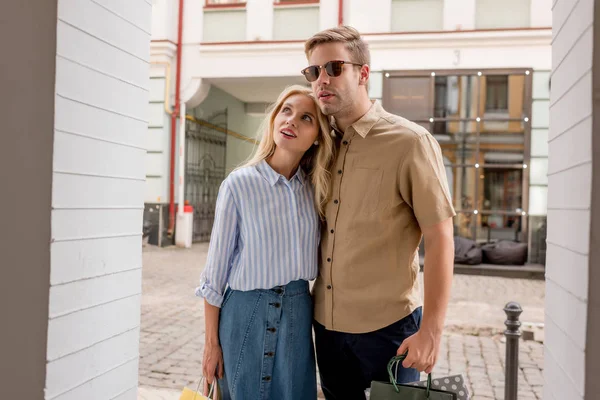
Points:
x=212 y=363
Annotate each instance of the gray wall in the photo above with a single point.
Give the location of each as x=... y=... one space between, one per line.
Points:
x=27 y=71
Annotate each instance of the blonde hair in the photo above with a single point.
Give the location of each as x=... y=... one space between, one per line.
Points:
x=358 y=48
x=316 y=161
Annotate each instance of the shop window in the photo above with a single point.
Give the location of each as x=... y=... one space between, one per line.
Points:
x=496 y=99
x=480 y=120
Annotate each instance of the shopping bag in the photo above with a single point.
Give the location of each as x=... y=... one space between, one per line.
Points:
x=189 y=394
x=453 y=383
x=395 y=391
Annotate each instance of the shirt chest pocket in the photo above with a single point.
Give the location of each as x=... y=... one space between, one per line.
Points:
x=364 y=190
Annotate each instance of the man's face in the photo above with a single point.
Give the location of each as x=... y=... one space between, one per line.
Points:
x=335 y=95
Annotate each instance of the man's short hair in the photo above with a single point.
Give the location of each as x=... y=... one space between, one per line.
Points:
x=358 y=48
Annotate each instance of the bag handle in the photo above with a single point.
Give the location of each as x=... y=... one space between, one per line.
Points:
x=396 y=360
x=210 y=390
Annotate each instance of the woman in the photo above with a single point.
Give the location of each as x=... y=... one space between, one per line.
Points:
x=264 y=247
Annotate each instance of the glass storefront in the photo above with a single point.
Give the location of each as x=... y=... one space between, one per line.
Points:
x=481 y=120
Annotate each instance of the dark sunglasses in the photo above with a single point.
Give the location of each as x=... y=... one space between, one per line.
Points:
x=333 y=69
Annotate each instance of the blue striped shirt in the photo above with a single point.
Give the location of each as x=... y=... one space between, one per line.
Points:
x=265 y=234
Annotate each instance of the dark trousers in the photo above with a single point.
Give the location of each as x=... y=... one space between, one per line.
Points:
x=348 y=362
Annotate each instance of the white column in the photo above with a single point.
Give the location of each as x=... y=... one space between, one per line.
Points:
x=183 y=229
x=459 y=15
x=571 y=323
x=259 y=20
x=181 y=161
x=96 y=267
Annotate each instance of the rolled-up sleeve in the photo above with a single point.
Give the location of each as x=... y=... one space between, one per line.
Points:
x=423 y=182
x=221 y=251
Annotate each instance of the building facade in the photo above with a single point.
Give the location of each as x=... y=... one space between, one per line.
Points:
x=474 y=73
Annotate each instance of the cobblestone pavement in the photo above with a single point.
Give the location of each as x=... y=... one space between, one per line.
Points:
x=172 y=332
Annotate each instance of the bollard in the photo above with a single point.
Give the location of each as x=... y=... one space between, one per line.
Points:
x=512 y=333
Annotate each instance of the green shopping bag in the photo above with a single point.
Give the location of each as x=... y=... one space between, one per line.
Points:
x=394 y=391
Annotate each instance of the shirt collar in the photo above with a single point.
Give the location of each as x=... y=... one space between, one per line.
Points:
x=273 y=177
x=366 y=122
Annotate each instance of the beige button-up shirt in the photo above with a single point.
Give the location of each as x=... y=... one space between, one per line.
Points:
x=388 y=181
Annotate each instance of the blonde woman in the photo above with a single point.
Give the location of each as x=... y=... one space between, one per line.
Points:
x=262 y=253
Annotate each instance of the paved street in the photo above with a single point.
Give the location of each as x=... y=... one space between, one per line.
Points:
x=172 y=332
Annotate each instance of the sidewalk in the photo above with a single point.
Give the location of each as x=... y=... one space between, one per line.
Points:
x=172 y=332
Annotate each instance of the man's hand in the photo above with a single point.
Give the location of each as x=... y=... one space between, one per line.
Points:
x=424 y=345
x=423 y=348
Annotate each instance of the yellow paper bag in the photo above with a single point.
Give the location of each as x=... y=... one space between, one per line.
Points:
x=189 y=394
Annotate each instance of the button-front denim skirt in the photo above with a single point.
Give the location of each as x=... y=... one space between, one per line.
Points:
x=266 y=337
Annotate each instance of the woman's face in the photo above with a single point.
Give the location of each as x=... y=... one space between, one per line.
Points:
x=296 y=127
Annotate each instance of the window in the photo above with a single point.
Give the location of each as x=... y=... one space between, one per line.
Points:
x=294 y=20
x=417 y=15
x=222 y=2
x=496 y=99
x=480 y=126
x=224 y=13
x=494 y=14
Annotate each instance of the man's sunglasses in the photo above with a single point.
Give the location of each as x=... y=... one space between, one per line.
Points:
x=333 y=69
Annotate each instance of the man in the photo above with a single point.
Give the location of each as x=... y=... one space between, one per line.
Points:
x=388 y=191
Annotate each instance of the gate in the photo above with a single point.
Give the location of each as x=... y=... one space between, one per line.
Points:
x=205 y=145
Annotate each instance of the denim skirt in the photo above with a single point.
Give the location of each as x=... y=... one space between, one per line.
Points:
x=266 y=338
